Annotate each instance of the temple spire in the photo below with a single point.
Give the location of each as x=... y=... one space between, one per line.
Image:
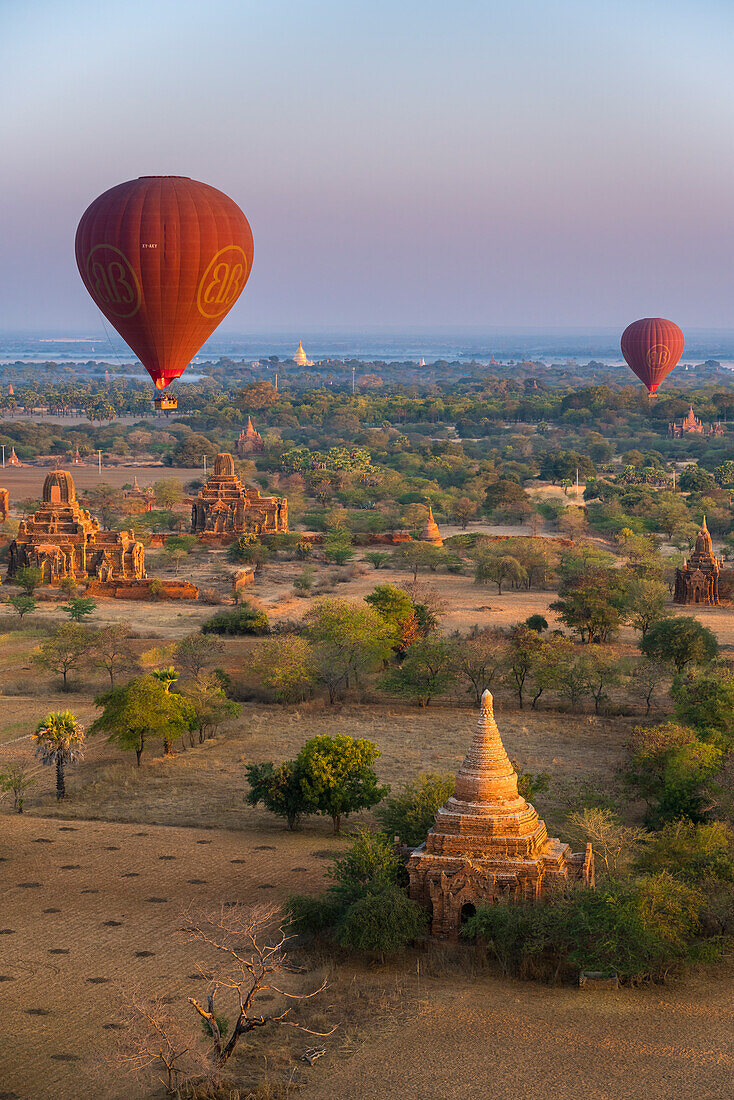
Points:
x=703 y=526
x=486 y=774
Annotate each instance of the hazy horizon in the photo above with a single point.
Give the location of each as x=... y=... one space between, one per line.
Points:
x=404 y=167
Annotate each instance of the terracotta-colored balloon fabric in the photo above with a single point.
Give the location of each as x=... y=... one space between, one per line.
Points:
x=165 y=258
x=651 y=348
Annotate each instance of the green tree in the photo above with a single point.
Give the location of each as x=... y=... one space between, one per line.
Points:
x=23 y=604
x=464 y=510
x=243 y=619
x=337 y=775
x=28 y=578
x=17 y=779
x=591 y=603
x=641 y=929
x=59 y=739
x=704 y=699
x=694 y=851
x=285 y=667
x=281 y=790
x=603 y=670
x=681 y=640
x=672 y=770
x=502 y=492
x=382 y=924
x=427 y=670
x=500 y=569
x=255 y=396
x=142 y=709
x=337 y=547
x=645 y=601
x=415 y=556
x=398 y=610
x=168 y=491
x=377 y=558
x=695 y=479
x=209 y=704
x=645 y=677
x=525 y=651
x=66 y=650
x=347 y=640
x=178 y=549
x=411 y=813
x=80 y=609
x=668 y=513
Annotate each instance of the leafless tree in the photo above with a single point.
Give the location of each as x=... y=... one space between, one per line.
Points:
x=250 y=946
x=480 y=658
x=425 y=593
x=153 y=1042
x=111 y=650
x=615 y=844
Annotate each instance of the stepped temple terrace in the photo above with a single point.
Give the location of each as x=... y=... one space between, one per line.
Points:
x=487 y=842
x=226 y=508
x=63 y=540
x=697 y=580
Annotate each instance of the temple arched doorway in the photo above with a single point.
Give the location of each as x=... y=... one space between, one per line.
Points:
x=467 y=912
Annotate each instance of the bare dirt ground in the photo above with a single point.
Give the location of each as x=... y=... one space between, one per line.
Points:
x=90 y=910
x=489 y=1038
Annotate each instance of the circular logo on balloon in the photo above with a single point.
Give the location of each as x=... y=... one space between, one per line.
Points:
x=658 y=356
x=112 y=282
x=222 y=282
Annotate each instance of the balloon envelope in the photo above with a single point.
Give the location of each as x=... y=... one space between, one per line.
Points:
x=165 y=258
x=651 y=348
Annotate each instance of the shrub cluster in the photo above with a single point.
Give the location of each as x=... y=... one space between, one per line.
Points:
x=243 y=619
x=366 y=907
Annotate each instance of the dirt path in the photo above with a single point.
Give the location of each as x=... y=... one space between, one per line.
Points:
x=491 y=1039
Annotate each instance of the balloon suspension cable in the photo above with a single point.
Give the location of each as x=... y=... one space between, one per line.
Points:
x=109 y=341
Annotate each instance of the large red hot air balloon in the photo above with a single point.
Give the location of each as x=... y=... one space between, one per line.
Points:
x=165 y=258
x=651 y=348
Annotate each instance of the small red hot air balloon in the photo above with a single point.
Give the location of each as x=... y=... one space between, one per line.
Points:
x=165 y=258
x=652 y=348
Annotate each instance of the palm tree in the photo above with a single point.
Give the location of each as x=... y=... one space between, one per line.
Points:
x=59 y=739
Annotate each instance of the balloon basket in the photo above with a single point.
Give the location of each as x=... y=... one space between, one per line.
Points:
x=166 y=403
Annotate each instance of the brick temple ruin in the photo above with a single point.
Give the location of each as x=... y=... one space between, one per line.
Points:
x=431 y=532
x=225 y=508
x=249 y=441
x=487 y=842
x=63 y=540
x=697 y=580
